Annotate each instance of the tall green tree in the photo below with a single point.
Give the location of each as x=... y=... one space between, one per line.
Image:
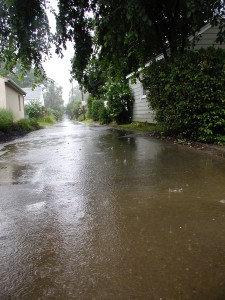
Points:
x=129 y=33
x=53 y=97
x=124 y=30
x=23 y=79
x=25 y=34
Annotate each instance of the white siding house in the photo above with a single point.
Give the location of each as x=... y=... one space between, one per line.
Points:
x=34 y=95
x=141 y=110
x=207 y=37
x=12 y=98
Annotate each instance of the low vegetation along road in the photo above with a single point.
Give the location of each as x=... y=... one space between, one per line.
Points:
x=88 y=212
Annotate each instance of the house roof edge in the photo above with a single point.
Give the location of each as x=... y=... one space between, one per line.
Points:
x=160 y=56
x=14 y=85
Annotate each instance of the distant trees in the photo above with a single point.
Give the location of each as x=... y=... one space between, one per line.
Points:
x=24 y=78
x=53 y=100
x=74 y=109
x=53 y=96
x=76 y=94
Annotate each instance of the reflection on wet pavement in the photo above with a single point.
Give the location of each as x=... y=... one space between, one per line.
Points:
x=92 y=213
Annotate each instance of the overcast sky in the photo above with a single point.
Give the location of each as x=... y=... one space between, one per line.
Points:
x=59 y=69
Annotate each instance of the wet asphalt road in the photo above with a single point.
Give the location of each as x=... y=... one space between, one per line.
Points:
x=92 y=213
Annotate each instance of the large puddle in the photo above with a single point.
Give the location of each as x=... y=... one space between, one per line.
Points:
x=90 y=213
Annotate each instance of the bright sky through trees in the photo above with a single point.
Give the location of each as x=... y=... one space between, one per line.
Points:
x=56 y=68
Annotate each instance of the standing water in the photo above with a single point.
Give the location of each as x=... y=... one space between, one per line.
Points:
x=91 y=213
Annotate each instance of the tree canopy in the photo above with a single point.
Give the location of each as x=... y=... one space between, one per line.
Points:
x=122 y=34
x=25 y=34
x=53 y=96
x=23 y=79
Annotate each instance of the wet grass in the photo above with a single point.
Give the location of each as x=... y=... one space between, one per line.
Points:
x=88 y=121
x=140 y=127
x=46 y=121
x=134 y=126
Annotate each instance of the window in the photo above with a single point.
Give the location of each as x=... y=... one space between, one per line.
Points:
x=143 y=92
x=19 y=103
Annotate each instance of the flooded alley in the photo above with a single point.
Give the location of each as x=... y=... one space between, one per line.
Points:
x=87 y=212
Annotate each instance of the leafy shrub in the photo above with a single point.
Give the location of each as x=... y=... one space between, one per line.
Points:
x=57 y=113
x=81 y=118
x=104 y=115
x=6 y=119
x=34 y=109
x=74 y=109
x=24 y=125
x=47 y=119
x=188 y=95
x=89 y=106
x=119 y=100
x=34 y=123
x=97 y=106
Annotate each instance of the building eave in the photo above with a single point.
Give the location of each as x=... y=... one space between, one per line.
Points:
x=15 y=86
x=201 y=31
x=158 y=57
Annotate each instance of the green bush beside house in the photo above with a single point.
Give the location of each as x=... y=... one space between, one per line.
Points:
x=188 y=94
x=9 y=127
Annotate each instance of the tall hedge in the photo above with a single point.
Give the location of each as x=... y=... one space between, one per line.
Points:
x=119 y=99
x=188 y=94
x=97 y=106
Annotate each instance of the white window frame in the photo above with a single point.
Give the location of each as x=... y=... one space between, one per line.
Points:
x=143 y=92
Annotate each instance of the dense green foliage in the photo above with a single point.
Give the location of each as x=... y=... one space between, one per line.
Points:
x=129 y=33
x=6 y=118
x=74 y=109
x=41 y=115
x=81 y=118
x=7 y=125
x=98 y=111
x=53 y=100
x=104 y=115
x=57 y=114
x=114 y=103
x=46 y=120
x=25 y=125
x=89 y=106
x=188 y=94
x=97 y=107
x=24 y=78
x=53 y=96
x=34 y=109
x=119 y=100
x=25 y=34
x=126 y=33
